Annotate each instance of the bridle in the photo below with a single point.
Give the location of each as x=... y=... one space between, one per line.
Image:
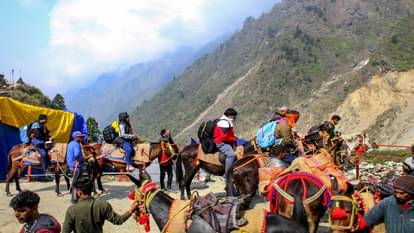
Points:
x=145 y=194
x=353 y=226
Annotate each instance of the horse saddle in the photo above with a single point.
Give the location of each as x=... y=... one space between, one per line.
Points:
x=113 y=152
x=58 y=152
x=216 y=158
x=31 y=155
x=322 y=166
x=222 y=215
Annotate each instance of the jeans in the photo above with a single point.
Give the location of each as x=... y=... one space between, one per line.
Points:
x=169 y=170
x=43 y=155
x=129 y=151
x=229 y=153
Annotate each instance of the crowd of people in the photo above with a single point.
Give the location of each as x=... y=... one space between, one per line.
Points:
x=88 y=214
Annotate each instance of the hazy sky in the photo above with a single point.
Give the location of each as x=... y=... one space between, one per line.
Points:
x=62 y=44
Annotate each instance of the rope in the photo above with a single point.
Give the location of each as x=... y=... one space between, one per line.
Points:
x=284 y=194
x=255 y=157
x=194 y=196
x=315 y=196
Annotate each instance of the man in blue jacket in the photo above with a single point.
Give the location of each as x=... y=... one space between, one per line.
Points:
x=75 y=160
x=397 y=211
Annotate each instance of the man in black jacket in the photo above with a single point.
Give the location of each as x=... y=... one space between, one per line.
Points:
x=41 y=136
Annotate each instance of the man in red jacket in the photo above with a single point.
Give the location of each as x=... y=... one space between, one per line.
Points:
x=25 y=205
x=225 y=141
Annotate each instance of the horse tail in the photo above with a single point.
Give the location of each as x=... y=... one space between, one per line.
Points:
x=299 y=214
x=179 y=169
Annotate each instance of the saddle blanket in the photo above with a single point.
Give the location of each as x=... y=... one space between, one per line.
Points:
x=322 y=166
x=112 y=152
x=214 y=158
x=31 y=156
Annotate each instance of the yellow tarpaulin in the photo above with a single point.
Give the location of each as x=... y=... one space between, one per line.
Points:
x=17 y=114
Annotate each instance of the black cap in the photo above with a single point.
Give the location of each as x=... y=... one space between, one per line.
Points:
x=42 y=117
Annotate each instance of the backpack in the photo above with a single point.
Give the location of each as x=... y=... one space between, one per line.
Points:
x=24 y=133
x=265 y=136
x=110 y=132
x=206 y=134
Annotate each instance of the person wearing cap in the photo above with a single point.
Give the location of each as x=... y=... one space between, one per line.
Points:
x=89 y=214
x=41 y=136
x=408 y=164
x=396 y=211
x=75 y=160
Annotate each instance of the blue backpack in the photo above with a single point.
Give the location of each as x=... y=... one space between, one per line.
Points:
x=25 y=130
x=265 y=136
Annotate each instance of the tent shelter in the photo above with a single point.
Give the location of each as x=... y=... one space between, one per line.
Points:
x=14 y=114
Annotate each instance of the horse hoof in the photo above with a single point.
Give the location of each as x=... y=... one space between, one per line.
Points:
x=104 y=192
x=9 y=194
x=59 y=194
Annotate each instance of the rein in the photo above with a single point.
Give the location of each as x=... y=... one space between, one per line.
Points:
x=255 y=157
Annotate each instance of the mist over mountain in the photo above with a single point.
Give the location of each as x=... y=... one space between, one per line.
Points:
x=116 y=92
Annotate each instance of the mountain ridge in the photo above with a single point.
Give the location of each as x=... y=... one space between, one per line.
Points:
x=315 y=54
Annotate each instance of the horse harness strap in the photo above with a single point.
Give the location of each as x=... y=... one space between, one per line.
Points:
x=315 y=196
x=254 y=158
x=351 y=226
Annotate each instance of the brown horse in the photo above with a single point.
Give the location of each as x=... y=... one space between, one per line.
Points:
x=302 y=196
x=101 y=161
x=187 y=158
x=16 y=164
x=172 y=215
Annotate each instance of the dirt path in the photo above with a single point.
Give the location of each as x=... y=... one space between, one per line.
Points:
x=117 y=196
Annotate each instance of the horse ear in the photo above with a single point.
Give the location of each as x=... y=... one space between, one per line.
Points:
x=134 y=180
x=144 y=175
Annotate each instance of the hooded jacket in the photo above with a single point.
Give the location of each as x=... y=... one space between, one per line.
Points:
x=44 y=224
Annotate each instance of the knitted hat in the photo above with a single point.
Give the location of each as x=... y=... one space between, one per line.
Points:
x=405 y=183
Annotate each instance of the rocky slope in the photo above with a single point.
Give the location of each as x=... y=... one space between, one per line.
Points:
x=315 y=56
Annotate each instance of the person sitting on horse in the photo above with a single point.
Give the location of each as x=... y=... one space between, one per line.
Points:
x=396 y=211
x=126 y=138
x=40 y=137
x=408 y=165
x=25 y=206
x=75 y=159
x=165 y=162
x=329 y=127
x=283 y=132
x=225 y=139
x=277 y=154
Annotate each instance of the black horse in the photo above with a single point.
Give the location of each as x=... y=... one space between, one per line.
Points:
x=187 y=158
x=160 y=203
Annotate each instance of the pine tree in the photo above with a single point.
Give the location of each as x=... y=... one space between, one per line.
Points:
x=58 y=102
x=93 y=129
